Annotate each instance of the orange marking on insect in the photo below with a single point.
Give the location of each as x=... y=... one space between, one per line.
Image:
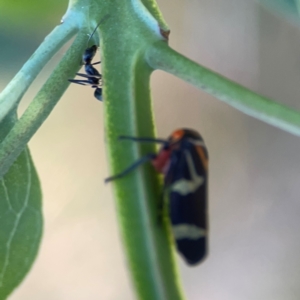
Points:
x=177 y=135
x=203 y=157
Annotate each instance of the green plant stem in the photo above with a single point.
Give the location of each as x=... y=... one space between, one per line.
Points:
x=161 y=56
x=41 y=106
x=12 y=94
x=146 y=241
x=128 y=111
x=152 y=7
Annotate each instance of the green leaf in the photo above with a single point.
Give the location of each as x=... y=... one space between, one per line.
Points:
x=20 y=219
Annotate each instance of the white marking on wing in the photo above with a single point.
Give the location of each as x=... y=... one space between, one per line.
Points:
x=188 y=231
x=185 y=186
x=197 y=143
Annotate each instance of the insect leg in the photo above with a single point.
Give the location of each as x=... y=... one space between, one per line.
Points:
x=82 y=82
x=141 y=161
x=142 y=139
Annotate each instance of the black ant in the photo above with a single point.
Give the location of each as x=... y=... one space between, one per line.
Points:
x=93 y=77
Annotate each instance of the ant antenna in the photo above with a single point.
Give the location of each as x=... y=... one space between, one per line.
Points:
x=102 y=20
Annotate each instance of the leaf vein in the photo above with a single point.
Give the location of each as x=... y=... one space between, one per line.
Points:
x=7 y=196
x=17 y=221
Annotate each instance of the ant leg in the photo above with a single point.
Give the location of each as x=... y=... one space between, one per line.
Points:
x=82 y=82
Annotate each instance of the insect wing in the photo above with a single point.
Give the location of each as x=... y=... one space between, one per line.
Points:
x=186 y=182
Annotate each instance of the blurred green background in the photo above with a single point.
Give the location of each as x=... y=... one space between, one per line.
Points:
x=254 y=169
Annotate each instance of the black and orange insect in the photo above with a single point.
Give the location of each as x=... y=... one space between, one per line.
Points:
x=183 y=160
